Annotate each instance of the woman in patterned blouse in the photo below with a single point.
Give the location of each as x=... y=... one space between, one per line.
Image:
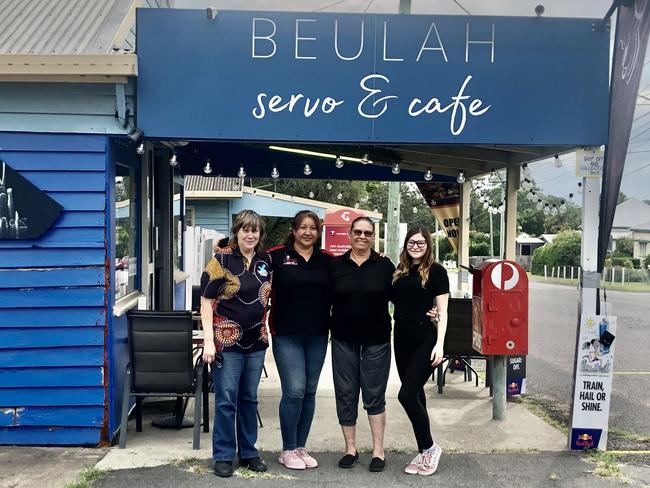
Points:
x=235 y=287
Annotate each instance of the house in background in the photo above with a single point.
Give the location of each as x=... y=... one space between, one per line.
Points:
x=211 y=202
x=632 y=219
x=526 y=246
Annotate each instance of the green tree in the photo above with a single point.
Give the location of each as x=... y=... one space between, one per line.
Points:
x=479 y=244
x=563 y=251
x=621 y=197
x=624 y=247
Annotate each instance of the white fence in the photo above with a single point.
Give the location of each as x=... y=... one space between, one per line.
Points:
x=614 y=274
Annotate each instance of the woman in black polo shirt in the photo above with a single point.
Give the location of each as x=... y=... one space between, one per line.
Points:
x=361 y=324
x=299 y=320
x=419 y=283
x=235 y=287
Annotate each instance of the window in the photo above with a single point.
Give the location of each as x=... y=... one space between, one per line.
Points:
x=126 y=230
x=643 y=249
x=525 y=249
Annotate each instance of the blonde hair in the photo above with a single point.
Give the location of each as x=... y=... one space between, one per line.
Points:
x=247 y=219
x=405 y=260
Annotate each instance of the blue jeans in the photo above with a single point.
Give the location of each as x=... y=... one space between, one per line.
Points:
x=299 y=359
x=235 y=393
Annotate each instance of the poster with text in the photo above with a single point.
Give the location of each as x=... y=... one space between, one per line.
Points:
x=444 y=200
x=593 y=382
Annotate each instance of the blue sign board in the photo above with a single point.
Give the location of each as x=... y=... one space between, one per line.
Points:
x=319 y=77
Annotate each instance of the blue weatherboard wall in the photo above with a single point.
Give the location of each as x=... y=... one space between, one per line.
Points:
x=53 y=298
x=541 y=81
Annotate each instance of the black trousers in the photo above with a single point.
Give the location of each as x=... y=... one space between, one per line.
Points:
x=414 y=342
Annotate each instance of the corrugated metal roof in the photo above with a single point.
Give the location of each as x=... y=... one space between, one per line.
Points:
x=65 y=26
x=211 y=183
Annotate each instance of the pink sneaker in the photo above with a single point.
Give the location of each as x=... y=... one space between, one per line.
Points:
x=309 y=461
x=291 y=460
x=429 y=461
x=412 y=467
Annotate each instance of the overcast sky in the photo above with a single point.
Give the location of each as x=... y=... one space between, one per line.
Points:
x=557 y=181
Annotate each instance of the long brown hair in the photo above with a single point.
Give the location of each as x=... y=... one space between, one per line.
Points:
x=405 y=260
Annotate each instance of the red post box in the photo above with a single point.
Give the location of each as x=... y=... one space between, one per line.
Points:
x=500 y=308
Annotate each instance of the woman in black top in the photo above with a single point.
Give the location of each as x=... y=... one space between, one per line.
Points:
x=361 y=285
x=419 y=283
x=299 y=322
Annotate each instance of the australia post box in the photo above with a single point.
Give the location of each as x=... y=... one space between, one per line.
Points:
x=500 y=308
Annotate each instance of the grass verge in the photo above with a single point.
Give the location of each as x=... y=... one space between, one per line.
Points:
x=537 y=409
x=633 y=287
x=607 y=465
x=86 y=478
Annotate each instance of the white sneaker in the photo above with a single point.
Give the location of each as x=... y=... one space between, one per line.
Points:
x=429 y=461
x=309 y=461
x=291 y=460
x=412 y=467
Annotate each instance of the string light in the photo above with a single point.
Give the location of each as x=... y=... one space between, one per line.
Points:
x=173 y=161
x=356 y=205
x=558 y=161
x=396 y=169
x=339 y=196
x=140 y=149
x=428 y=176
x=307 y=170
x=539 y=205
x=415 y=210
x=242 y=172
x=207 y=169
x=461 y=177
x=275 y=174
x=554 y=210
x=365 y=159
x=339 y=162
x=311 y=194
x=563 y=207
x=328 y=185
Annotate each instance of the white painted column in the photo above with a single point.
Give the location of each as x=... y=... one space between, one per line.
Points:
x=463 y=238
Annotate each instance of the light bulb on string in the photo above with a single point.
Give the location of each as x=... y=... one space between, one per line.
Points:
x=579 y=186
x=306 y=170
x=486 y=205
x=339 y=162
x=311 y=194
x=207 y=169
x=557 y=162
x=140 y=149
x=563 y=208
x=539 y=205
x=571 y=196
x=461 y=177
x=365 y=159
x=531 y=195
x=395 y=169
x=494 y=178
x=376 y=210
x=275 y=174
x=526 y=170
x=433 y=203
x=547 y=209
x=242 y=172
x=173 y=161
x=339 y=196
x=554 y=210
x=415 y=210
x=356 y=205
x=328 y=185
x=428 y=176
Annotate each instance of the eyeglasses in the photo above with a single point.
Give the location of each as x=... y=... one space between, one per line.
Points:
x=419 y=244
x=364 y=233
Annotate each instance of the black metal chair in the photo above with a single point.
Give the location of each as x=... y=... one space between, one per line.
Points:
x=162 y=365
x=458 y=341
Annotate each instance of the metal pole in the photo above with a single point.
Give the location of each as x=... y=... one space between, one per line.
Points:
x=499 y=387
x=437 y=246
x=392 y=237
x=491 y=236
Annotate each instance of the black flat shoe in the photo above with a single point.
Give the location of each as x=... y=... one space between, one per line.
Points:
x=223 y=469
x=348 y=461
x=377 y=465
x=254 y=464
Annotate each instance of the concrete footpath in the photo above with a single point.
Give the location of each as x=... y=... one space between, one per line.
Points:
x=522 y=450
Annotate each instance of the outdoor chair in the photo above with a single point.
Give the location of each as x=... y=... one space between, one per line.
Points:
x=161 y=364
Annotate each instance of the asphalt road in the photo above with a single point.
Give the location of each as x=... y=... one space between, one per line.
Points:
x=552 y=342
